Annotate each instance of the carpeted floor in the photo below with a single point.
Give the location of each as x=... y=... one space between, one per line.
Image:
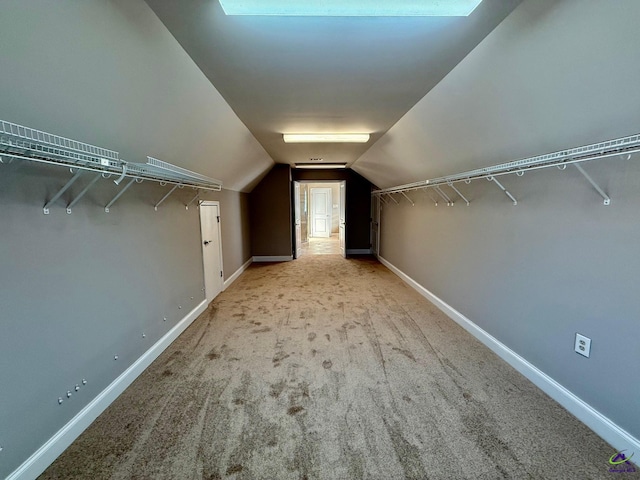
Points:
x=326 y=368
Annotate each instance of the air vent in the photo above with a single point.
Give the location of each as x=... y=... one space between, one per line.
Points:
x=318 y=159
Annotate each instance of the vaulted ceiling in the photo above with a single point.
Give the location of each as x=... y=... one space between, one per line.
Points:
x=323 y=74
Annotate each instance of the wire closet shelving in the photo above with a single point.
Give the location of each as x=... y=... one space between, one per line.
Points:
x=18 y=142
x=623 y=147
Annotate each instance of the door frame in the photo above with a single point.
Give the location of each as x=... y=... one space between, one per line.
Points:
x=210 y=203
x=342 y=218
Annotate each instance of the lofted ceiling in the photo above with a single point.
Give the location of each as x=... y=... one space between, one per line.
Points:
x=323 y=74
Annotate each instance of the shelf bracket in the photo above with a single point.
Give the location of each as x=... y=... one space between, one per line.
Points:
x=391 y=197
x=382 y=199
x=192 y=200
x=165 y=197
x=607 y=200
x=410 y=201
x=82 y=193
x=444 y=196
x=426 y=192
x=118 y=195
x=458 y=192
x=493 y=179
x=73 y=179
x=121 y=177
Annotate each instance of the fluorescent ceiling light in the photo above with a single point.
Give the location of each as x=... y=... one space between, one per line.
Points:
x=325 y=137
x=351 y=8
x=321 y=165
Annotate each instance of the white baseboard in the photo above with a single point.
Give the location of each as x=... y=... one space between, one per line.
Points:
x=616 y=436
x=358 y=251
x=282 y=258
x=227 y=283
x=47 y=453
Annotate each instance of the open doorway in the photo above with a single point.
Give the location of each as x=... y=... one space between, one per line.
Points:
x=320 y=217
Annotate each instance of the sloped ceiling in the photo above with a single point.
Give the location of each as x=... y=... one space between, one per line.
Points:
x=110 y=74
x=339 y=74
x=553 y=75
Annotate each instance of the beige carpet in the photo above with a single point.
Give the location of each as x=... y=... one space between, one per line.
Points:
x=326 y=368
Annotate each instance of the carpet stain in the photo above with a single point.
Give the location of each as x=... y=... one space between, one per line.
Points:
x=311 y=337
x=327 y=364
x=276 y=389
x=406 y=353
x=167 y=373
x=213 y=355
x=261 y=330
x=278 y=357
x=296 y=409
x=234 y=469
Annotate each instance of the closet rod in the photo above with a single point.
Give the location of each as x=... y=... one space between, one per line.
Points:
x=624 y=146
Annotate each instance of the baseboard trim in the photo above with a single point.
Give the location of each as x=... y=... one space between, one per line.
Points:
x=227 y=283
x=616 y=436
x=358 y=251
x=282 y=258
x=47 y=453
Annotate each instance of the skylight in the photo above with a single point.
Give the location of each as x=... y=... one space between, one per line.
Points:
x=351 y=8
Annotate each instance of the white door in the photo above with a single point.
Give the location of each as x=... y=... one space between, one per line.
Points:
x=321 y=212
x=343 y=219
x=297 y=218
x=211 y=248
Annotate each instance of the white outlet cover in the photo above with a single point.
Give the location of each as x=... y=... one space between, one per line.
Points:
x=582 y=345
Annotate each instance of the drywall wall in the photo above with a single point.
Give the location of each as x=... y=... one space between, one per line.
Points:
x=235 y=227
x=79 y=289
x=553 y=75
x=358 y=211
x=110 y=74
x=271 y=214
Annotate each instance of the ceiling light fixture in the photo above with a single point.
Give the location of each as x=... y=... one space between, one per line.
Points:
x=321 y=165
x=351 y=8
x=325 y=137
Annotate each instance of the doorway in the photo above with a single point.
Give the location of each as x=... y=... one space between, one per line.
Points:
x=319 y=217
x=211 y=248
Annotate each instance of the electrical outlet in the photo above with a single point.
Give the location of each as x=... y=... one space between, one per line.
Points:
x=582 y=345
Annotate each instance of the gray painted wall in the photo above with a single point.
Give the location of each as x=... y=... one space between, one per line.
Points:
x=235 y=226
x=78 y=289
x=75 y=290
x=553 y=75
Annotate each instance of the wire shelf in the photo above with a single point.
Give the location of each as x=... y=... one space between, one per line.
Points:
x=19 y=142
x=609 y=148
x=25 y=143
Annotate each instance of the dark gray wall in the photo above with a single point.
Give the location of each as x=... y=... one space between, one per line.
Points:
x=358 y=211
x=270 y=207
x=559 y=262
x=235 y=227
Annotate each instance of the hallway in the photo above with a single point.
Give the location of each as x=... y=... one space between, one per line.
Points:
x=345 y=374
x=321 y=246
